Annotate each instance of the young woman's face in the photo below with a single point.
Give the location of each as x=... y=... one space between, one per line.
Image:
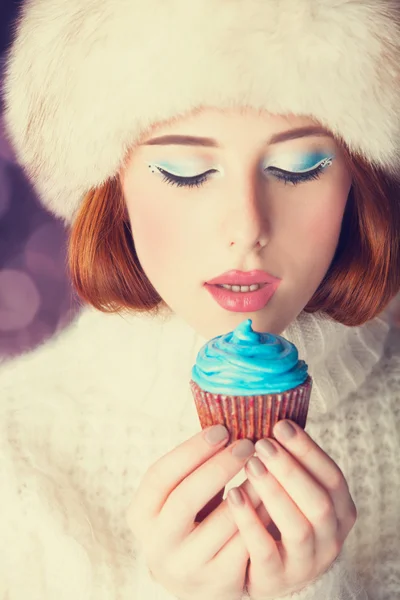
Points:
x=238 y=214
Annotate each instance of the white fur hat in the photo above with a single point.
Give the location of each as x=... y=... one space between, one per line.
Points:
x=85 y=79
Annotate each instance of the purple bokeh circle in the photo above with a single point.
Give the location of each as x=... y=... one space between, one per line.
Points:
x=44 y=252
x=19 y=300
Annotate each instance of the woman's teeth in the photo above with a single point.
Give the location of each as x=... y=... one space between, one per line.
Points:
x=242 y=288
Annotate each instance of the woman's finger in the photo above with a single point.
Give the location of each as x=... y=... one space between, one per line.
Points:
x=297 y=544
x=260 y=544
x=322 y=468
x=235 y=551
x=213 y=504
x=176 y=519
x=168 y=472
x=219 y=527
x=311 y=500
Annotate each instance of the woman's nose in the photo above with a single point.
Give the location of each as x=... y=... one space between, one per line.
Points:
x=247 y=222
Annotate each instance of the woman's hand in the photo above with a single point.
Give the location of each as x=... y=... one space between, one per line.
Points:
x=193 y=559
x=308 y=499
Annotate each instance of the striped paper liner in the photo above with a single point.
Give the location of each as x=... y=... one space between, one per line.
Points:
x=252 y=417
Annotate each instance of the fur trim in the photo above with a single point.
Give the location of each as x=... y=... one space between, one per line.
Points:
x=85 y=79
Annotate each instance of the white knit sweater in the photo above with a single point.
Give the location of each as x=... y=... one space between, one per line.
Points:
x=83 y=416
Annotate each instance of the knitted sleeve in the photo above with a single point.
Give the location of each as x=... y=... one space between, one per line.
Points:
x=52 y=544
x=40 y=555
x=338 y=583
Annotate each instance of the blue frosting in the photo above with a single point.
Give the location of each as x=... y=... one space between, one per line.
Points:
x=246 y=363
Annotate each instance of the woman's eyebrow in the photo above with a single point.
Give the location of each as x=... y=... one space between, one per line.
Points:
x=189 y=140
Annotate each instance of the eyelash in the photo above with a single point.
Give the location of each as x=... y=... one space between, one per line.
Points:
x=199 y=180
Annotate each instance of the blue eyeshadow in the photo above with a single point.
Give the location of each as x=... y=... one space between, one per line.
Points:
x=297 y=161
x=308 y=161
x=182 y=170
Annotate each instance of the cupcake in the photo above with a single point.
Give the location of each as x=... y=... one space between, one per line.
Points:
x=249 y=381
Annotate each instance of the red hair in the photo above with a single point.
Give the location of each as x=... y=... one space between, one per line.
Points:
x=362 y=279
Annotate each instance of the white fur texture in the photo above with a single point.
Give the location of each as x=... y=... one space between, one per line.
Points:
x=85 y=79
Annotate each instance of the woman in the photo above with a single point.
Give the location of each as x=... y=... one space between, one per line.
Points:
x=272 y=149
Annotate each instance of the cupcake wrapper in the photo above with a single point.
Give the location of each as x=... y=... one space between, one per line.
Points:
x=252 y=417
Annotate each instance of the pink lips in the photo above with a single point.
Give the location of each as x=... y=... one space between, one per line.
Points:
x=243 y=278
x=243 y=301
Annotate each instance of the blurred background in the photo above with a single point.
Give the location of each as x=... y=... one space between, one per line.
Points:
x=36 y=298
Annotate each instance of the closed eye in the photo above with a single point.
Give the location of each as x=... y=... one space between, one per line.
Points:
x=294 y=178
x=195 y=181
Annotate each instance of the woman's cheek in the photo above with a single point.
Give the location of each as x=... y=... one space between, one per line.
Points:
x=156 y=233
x=150 y=233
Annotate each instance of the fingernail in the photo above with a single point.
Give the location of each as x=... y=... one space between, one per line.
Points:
x=236 y=496
x=285 y=430
x=243 y=449
x=265 y=447
x=216 y=434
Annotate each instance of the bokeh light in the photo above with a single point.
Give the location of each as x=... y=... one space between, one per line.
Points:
x=44 y=252
x=19 y=300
